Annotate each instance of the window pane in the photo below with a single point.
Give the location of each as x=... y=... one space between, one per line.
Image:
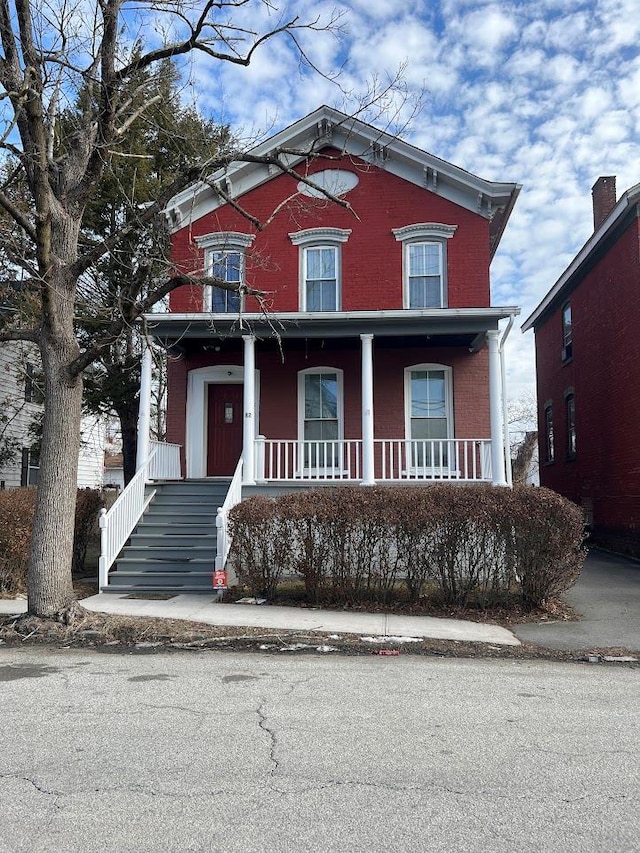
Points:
x=312 y=395
x=428 y=394
x=329 y=395
x=424 y=259
x=321 y=431
x=321 y=263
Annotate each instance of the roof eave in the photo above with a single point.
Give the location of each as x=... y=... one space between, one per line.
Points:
x=625 y=202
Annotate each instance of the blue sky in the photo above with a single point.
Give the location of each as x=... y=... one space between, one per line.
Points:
x=545 y=93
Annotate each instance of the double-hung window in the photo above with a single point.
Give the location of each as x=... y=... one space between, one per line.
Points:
x=320 y=412
x=227 y=267
x=425 y=280
x=424 y=263
x=570 y=403
x=320 y=267
x=320 y=278
x=428 y=393
x=225 y=261
x=549 y=434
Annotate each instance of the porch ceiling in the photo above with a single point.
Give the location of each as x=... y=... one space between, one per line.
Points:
x=450 y=326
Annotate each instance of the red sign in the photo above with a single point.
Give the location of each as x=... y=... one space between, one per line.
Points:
x=219 y=579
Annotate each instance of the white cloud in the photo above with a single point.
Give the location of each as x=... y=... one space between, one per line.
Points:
x=543 y=92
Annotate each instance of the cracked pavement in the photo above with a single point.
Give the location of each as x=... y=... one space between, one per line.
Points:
x=238 y=752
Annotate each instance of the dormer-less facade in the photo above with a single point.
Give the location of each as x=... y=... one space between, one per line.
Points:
x=372 y=352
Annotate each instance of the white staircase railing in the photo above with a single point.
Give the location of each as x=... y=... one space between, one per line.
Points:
x=117 y=523
x=164 y=464
x=234 y=496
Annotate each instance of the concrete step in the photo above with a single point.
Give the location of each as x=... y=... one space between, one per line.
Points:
x=180 y=515
x=121 y=588
x=171 y=539
x=169 y=565
x=180 y=553
x=177 y=499
x=160 y=581
x=170 y=527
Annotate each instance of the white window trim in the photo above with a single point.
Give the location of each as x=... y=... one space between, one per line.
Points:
x=223 y=241
x=319 y=238
x=448 y=391
x=301 y=406
x=424 y=232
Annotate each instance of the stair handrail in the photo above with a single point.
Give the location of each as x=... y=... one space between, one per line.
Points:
x=234 y=496
x=117 y=523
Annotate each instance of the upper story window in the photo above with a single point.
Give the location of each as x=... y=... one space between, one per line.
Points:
x=225 y=260
x=229 y=267
x=320 y=267
x=567 y=336
x=424 y=263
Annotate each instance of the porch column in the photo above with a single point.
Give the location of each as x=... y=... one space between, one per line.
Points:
x=495 y=407
x=144 y=407
x=249 y=420
x=367 y=411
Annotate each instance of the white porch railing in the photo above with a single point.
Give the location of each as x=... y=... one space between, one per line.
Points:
x=234 y=496
x=164 y=464
x=466 y=459
x=286 y=459
x=117 y=523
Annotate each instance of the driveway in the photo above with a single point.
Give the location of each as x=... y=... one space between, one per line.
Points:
x=607 y=599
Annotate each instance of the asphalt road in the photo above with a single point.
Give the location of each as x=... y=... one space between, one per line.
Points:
x=209 y=751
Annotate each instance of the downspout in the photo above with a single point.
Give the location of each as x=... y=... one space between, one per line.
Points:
x=505 y=425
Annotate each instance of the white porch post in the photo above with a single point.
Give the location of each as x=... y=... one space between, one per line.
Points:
x=367 y=411
x=495 y=407
x=144 y=407
x=249 y=420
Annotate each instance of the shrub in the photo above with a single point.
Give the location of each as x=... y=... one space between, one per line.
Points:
x=17 y=507
x=547 y=535
x=261 y=545
x=88 y=505
x=16 y=521
x=351 y=543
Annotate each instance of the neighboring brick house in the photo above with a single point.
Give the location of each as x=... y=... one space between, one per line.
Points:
x=588 y=373
x=377 y=354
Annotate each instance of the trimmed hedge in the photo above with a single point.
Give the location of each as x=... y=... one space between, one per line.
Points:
x=349 y=544
x=17 y=507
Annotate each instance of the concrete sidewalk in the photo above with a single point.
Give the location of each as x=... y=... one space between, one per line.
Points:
x=203 y=608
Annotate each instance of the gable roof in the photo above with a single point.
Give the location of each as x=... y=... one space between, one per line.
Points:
x=327 y=126
x=592 y=249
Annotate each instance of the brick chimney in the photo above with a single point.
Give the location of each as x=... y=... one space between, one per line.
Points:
x=604 y=199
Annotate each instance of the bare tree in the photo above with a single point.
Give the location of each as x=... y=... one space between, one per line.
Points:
x=522 y=421
x=80 y=60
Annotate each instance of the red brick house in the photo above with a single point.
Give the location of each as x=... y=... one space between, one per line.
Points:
x=378 y=319
x=588 y=374
x=375 y=355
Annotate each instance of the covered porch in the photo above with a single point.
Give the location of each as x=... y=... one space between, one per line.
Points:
x=359 y=435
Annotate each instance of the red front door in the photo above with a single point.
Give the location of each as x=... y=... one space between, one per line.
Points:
x=224 y=431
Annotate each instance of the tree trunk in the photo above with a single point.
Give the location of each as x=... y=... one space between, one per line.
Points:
x=49 y=579
x=49 y=582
